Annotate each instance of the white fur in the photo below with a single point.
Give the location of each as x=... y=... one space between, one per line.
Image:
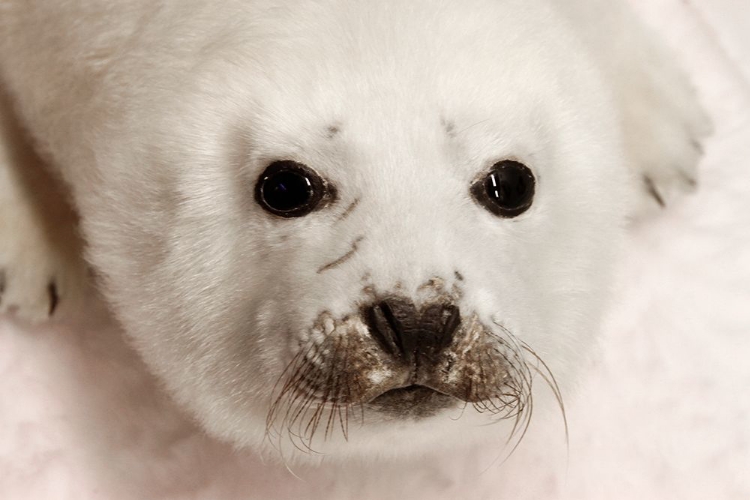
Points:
x=161 y=115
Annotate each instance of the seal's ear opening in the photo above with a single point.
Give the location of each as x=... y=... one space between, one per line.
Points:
x=507 y=190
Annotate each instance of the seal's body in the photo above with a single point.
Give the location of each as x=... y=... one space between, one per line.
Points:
x=338 y=224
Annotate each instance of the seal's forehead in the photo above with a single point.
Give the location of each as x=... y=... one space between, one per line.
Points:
x=338 y=53
x=421 y=135
x=335 y=80
x=389 y=32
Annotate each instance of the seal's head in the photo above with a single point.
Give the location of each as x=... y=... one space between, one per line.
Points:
x=360 y=225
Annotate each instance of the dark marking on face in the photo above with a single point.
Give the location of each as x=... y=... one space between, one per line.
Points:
x=332 y=131
x=432 y=283
x=449 y=127
x=334 y=264
x=653 y=191
x=690 y=181
x=348 y=210
x=697 y=146
x=459 y=276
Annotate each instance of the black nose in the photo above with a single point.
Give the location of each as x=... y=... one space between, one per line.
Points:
x=406 y=332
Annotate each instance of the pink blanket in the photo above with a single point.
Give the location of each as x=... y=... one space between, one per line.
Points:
x=663 y=414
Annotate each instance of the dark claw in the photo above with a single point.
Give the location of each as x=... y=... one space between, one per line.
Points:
x=54 y=298
x=651 y=188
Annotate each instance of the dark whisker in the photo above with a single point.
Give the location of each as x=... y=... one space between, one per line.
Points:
x=516 y=399
x=549 y=379
x=463 y=410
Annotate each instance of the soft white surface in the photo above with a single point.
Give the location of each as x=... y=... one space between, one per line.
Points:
x=664 y=414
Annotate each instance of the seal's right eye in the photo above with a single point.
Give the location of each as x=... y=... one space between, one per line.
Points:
x=507 y=190
x=289 y=189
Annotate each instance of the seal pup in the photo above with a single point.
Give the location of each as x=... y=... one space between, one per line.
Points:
x=350 y=227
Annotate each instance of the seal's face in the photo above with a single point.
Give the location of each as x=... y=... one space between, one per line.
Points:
x=367 y=222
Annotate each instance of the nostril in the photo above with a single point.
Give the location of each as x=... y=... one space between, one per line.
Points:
x=394 y=322
x=439 y=323
x=384 y=328
x=402 y=330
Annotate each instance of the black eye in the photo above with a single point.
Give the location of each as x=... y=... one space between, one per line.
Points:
x=289 y=189
x=508 y=189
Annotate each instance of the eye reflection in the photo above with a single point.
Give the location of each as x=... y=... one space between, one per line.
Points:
x=507 y=190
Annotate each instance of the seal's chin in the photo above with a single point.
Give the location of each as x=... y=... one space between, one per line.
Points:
x=414 y=401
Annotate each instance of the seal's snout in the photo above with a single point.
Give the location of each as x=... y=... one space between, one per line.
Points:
x=409 y=333
x=406 y=357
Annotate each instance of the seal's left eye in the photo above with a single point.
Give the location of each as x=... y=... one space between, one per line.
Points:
x=507 y=190
x=289 y=189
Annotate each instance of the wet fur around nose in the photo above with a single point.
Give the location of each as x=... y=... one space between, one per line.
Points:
x=343 y=372
x=403 y=360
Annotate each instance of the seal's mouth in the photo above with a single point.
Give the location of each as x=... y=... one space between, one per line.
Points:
x=416 y=401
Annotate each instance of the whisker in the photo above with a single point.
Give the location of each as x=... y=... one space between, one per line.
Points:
x=516 y=400
x=463 y=410
x=551 y=381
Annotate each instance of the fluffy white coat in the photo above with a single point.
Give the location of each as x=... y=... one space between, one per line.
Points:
x=160 y=117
